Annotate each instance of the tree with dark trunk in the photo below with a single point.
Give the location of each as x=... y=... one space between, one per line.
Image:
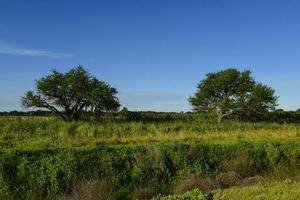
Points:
x=231 y=91
x=68 y=94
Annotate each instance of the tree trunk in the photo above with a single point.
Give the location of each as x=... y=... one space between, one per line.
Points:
x=220 y=117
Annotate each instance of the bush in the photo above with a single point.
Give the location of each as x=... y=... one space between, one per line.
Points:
x=192 y=195
x=152 y=168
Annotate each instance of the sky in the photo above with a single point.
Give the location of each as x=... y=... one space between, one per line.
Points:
x=153 y=51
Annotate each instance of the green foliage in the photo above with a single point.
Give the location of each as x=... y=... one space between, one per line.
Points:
x=192 y=195
x=41 y=173
x=286 y=189
x=72 y=92
x=27 y=133
x=43 y=157
x=277 y=116
x=4 y=189
x=230 y=91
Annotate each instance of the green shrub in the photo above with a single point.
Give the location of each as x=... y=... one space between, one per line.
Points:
x=192 y=195
x=41 y=173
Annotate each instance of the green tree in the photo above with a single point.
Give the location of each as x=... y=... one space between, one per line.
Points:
x=68 y=94
x=231 y=91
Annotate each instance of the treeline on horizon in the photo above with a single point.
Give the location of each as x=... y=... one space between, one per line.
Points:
x=278 y=116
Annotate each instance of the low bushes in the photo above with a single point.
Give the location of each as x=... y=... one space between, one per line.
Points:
x=143 y=170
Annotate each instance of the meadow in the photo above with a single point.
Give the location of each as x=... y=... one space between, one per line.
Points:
x=47 y=158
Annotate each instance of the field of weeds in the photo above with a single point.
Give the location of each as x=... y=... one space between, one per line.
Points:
x=46 y=158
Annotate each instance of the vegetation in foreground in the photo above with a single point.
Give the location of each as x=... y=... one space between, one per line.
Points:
x=43 y=157
x=287 y=189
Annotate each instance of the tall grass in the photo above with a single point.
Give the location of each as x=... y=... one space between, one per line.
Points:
x=44 y=157
x=49 y=132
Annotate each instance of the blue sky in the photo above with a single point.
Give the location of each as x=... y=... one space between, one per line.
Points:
x=153 y=51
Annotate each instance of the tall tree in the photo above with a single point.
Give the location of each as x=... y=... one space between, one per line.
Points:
x=231 y=91
x=68 y=94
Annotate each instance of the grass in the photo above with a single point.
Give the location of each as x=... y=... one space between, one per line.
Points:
x=278 y=190
x=29 y=133
x=44 y=157
x=286 y=189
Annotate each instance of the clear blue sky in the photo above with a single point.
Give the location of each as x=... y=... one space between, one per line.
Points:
x=153 y=51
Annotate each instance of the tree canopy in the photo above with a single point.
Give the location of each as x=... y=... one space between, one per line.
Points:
x=68 y=94
x=231 y=91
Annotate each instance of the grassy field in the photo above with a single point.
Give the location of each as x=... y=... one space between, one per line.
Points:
x=46 y=158
x=278 y=190
x=28 y=133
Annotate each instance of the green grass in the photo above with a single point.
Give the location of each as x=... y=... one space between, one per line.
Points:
x=288 y=190
x=44 y=157
x=283 y=190
x=28 y=133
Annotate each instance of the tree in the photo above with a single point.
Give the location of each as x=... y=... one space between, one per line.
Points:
x=231 y=91
x=68 y=94
x=124 y=111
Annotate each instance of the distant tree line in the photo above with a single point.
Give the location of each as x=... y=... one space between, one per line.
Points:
x=279 y=116
x=27 y=113
x=122 y=115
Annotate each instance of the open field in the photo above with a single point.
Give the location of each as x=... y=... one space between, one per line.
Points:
x=29 y=133
x=44 y=157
